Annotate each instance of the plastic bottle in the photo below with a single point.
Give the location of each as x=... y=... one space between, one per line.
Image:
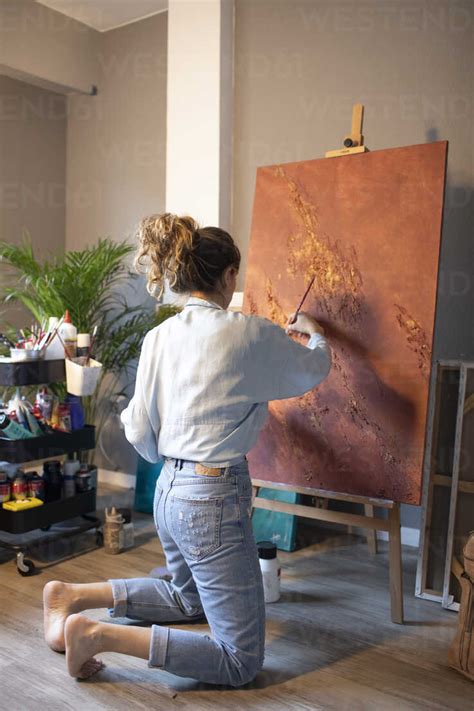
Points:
x=113 y=531
x=76 y=411
x=83 y=344
x=68 y=333
x=270 y=566
x=70 y=468
x=53 y=479
x=55 y=349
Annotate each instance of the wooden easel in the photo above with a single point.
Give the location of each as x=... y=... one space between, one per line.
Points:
x=353 y=143
x=368 y=521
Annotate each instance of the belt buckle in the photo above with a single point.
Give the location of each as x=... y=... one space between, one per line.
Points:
x=207 y=471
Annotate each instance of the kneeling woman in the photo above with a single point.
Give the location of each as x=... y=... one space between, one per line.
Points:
x=203 y=383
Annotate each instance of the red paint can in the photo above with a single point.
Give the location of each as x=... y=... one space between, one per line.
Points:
x=19 y=487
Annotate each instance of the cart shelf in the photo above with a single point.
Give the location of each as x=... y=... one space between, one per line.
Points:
x=47 y=514
x=50 y=445
x=41 y=372
x=32 y=372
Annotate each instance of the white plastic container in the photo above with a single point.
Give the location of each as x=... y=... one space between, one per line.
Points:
x=55 y=350
x=68 y=333
x=20 y=354
x=81 y=379
x=271 y=571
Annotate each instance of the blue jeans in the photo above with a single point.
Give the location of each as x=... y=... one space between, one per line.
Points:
x=205 y=528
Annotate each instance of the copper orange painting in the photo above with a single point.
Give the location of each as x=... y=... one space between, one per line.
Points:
x=368 y=226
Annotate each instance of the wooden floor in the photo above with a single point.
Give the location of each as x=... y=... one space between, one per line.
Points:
x=330 y=644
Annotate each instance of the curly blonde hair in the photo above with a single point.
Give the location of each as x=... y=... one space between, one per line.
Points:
x=177 y=250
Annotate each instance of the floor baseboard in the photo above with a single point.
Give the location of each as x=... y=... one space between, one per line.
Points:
x=410 y=536
x=116 y=478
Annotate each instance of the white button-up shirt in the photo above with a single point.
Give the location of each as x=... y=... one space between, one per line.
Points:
x=204 y=380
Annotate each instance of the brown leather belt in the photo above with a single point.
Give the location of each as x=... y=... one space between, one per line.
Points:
x=207 y=471
x=199 y=468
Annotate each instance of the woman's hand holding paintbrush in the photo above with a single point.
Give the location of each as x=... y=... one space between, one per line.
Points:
x=303 y=322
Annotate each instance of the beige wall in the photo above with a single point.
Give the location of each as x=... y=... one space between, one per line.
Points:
x=33 y=164
x=116 y=140
x=116 y=158
x=47 y=45
x=301 y=64
x=32 y=168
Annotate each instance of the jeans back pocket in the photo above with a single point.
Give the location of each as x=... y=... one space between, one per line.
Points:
x=196 y=525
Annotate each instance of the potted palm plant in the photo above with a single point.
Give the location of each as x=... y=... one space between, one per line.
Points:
x=92 y=284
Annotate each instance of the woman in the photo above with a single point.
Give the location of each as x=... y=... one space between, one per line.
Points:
x=203 y=383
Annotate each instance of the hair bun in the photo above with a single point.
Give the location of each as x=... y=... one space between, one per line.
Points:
x=177 y=250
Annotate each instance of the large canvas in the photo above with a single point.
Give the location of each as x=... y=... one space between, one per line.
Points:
x=369 y=227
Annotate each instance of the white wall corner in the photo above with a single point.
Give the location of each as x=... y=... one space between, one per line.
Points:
x=199 y=110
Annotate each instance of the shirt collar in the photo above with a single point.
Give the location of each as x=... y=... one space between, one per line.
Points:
x=197 y=301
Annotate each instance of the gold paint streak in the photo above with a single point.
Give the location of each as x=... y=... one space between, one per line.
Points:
x=337 y=276
x=276 y=313
x=416 y=339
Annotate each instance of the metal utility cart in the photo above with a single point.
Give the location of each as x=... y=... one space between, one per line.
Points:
x=41 y=372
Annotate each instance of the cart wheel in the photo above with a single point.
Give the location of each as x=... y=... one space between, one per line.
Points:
x=99 y=538
x=24 y=566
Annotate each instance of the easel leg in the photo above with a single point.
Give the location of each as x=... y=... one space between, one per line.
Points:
x=395 y=565
x=371 y=535
x=255 y=490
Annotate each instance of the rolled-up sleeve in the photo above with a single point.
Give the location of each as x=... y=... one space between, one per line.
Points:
x=140 y=431
x=283 y=368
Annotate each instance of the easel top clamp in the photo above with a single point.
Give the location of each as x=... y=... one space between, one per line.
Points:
x=354 y=141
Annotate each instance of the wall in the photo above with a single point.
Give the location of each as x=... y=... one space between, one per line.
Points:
x=116 y=140
x=47 y=46
x=116 y=161
x=299 y=67
x=32 y=168
x=301 y=64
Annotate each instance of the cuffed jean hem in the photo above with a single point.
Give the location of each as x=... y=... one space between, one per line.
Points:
x=119 y=592
x=158 y=646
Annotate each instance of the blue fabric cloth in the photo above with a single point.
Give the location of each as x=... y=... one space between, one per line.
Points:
x=204 y=526
x=204 y=380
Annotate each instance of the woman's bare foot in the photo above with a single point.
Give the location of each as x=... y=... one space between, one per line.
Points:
x=82 y=637
x=58 y=604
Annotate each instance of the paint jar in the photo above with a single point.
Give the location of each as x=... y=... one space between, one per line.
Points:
x=83 y=481
x=19 y=486
x=86 y=478
x=36 y=488
x=271 y=571
x=5 y=487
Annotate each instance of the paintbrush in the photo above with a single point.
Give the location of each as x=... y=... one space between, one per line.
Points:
x=49 y=335
x=91 y=345
x=66 y=352
x=293 y=320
